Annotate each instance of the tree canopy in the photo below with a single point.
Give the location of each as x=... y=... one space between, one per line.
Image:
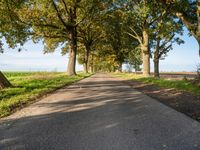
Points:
x=104 y=34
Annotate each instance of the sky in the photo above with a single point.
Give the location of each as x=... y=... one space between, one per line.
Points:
x=183 y=57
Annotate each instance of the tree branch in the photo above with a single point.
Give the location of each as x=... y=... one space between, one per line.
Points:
x=48 y=25
x=167 y=41
x=164 y=50
x=59 y=15
x=186 y=21
x=136 y=36
x=158 y=18
x=65 y=6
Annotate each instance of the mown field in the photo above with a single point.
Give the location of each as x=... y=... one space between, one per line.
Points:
x=29 y=86
x=170 y=80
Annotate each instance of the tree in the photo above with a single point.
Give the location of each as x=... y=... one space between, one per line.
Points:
x=134 y=59
x=90 y=33
x=78 y=25
x=53 y=21
x=165 y=31
x=188 y=11
x=88 y=38
x=7 y=18
x=4 y=83
x=143 y=15
x=115 y=37
x=103 y=58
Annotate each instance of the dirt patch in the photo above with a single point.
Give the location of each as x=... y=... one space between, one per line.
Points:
x=182 y=101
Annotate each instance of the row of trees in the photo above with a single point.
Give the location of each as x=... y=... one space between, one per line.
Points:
x=104 y=34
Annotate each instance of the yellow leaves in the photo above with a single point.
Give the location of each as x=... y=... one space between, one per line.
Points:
x=101 y=6
x=28 y=14
x=169 y=1
x=111 y=59
x=119 y=13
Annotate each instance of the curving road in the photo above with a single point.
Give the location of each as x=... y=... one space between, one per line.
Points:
x=99 y=113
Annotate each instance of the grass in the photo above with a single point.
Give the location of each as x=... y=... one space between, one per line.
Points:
x=184 y=85
x=30 y=86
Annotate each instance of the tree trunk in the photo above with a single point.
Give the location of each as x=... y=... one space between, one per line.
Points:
x=156 y=59
x=87 y=53
x=197 y=37
x=92 y=67
x=198 y=24
x=4 y=83
x=71 y=69
x=72 y=61
x=156 y=68
x=84 y=67
x=72 y=39
x=145 y=54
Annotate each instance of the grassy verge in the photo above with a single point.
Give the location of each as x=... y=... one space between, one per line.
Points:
x=184 y=85
x=29 y=86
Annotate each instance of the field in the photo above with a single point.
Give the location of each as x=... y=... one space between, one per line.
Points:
x=179 y=81
x=29 y=86
x=175 y=75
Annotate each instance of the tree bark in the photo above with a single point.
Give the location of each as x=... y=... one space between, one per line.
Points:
x=193 y=29
x=87 y=53
x=145 y=54
x=84 y=67
x=92 y=67
x=4 y=83
x=196 y=34
x=72 y=39
x=198 y=24
x=156 y=68
x=71 y=69
x=197 y=37
x=156 y=59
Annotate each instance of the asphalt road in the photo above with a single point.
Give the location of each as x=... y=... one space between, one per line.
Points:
x=99 y=113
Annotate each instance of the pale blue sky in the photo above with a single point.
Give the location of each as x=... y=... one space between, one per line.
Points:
x=31 y=58
x=182 y=58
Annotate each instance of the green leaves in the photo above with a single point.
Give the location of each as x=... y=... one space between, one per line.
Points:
x=11 y=27
x=110 y=28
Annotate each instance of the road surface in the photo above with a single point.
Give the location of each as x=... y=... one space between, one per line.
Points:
x=99 y=113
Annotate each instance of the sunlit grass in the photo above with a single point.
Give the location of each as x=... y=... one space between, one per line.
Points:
x=185 y=85
x=29 y=86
